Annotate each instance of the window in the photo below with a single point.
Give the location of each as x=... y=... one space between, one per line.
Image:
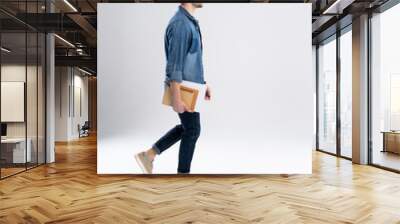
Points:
x=327 y=96
x=385 y=89
x=346 y=93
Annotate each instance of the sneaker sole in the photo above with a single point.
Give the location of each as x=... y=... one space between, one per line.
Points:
x=141 y=165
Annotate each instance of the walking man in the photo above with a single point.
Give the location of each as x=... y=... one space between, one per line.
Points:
x=183 y=49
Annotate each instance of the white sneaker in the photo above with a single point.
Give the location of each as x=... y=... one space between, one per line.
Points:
x=144 y=162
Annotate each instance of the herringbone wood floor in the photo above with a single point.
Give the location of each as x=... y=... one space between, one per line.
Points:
x=70 y=191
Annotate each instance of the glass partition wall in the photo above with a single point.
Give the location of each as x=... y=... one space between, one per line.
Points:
x=334 y=80
x=385 y=89
x=13 y=85
x=22 y=89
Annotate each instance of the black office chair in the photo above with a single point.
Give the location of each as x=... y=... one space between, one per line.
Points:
x=84 y=130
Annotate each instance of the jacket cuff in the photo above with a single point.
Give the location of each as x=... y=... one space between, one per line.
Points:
x=175 y=76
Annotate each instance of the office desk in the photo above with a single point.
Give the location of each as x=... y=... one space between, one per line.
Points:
x=391 y=141
x=13 y=150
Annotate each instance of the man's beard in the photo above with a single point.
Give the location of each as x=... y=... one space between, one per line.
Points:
x=198 y=5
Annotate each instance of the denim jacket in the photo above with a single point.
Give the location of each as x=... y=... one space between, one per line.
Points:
x=183 y=49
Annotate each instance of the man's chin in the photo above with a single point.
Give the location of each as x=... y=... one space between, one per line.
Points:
x=198 y=5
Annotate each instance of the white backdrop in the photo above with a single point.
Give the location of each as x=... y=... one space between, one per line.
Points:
x=257 y=60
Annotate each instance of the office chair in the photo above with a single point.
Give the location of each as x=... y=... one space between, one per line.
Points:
x=84 y=130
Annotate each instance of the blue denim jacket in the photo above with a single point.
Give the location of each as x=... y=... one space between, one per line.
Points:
x=183 y=49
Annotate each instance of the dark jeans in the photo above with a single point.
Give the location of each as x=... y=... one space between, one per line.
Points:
x=188 y=132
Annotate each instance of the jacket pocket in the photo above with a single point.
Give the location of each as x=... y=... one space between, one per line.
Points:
x=195 y=46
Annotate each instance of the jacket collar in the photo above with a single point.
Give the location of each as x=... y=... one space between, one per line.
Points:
x=187 y=14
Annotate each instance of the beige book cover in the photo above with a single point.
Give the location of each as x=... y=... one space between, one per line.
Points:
x=188 y=95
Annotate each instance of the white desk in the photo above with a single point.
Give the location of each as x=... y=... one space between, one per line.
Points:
x=18 y=144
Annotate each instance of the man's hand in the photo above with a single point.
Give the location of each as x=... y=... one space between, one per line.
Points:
x=208 y=93
x=179 y=106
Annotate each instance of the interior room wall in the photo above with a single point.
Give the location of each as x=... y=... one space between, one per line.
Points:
x=15 y=72
x=80 y=109
x=34 y=103
x=62 y=113
x=70 y=83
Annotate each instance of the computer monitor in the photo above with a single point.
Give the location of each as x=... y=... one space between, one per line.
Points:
x=3 y=129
